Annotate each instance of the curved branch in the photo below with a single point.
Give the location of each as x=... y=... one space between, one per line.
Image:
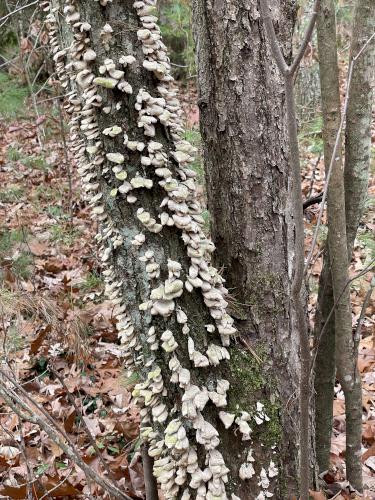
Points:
x=276 y=50
x=308 y=34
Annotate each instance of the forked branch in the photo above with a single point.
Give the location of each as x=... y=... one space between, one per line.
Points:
x=297 y=299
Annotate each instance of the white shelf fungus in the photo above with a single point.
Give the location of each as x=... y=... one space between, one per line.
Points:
x=227 y=418
x=244 y=427
x=115 y=158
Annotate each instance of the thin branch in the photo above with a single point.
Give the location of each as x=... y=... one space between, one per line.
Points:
x=365 y=45
x=18 y=10
x=53 y=98
x=30 y=480
x=275 y=46
x=312 y=201
x=87 y=430
x=151 y=486
x=333 y=157
x=278 y=55
x=357 y=335
x=52 y=421
x=14 y=402
x=308 y=34
x=48 y=493
x=296 y=288
x=330 y=168
x=364 y=271
x=11 y=61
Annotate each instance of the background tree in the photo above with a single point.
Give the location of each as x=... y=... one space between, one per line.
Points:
x=329 y=331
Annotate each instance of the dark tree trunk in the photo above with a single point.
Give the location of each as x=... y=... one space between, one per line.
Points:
x=242 y=116
x=165 y=291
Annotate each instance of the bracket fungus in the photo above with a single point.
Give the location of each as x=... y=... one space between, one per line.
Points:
x=165 y=282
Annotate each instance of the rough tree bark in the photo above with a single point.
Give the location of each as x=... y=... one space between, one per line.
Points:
x=358 y=117
x=357 y=161
x=338 y=263
x=246 y=155
x=213 y=425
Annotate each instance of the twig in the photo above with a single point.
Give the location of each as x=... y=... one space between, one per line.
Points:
x=306 y=39
x=66 y=160
x=18 y=10
x=22 y=448
x=312 y=201
x=322 y=331
x=16 y=404
x=334 y=153
x=328 y=176
x=48 y=493
x=357 y=335
x=11 y=61
x=297 y=205
x=32 y=96
x=92 y=440
x=52 y=98
x=30 y=480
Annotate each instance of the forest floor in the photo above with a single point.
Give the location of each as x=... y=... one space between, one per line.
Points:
x=58 y=333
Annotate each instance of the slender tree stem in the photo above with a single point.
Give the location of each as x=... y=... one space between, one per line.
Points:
x=297 y=285
x=306 y=40
x=151 y=486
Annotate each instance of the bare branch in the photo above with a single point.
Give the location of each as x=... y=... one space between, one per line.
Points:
x=276 y=50
x=275 y=46
x=330 y=168
x=365 y=45
x=308 y=34
x=357 y=335
x=334 y=153
x=18 y=10
x=14 y=402
x=50 y=426
x=364 y=271
x=87 y=430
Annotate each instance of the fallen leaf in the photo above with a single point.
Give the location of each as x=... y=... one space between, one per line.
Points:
x=9 y=452
x=69 y=421
x=37 y=248
x=317 y=495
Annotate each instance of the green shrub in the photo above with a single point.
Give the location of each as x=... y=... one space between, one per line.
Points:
x=12 y=97
x=11 y=194
x=175 y=24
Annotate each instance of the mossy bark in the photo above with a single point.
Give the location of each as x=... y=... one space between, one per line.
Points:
x=242 y=117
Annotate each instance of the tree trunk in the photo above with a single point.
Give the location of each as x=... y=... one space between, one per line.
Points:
x=326 y=360
x=358 y=118
x=357 y=161
x=345 y=347
x=242 y=116
x=325 y=366
x=170 y=303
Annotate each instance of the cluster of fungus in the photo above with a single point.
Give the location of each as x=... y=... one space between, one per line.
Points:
x=174 y=435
